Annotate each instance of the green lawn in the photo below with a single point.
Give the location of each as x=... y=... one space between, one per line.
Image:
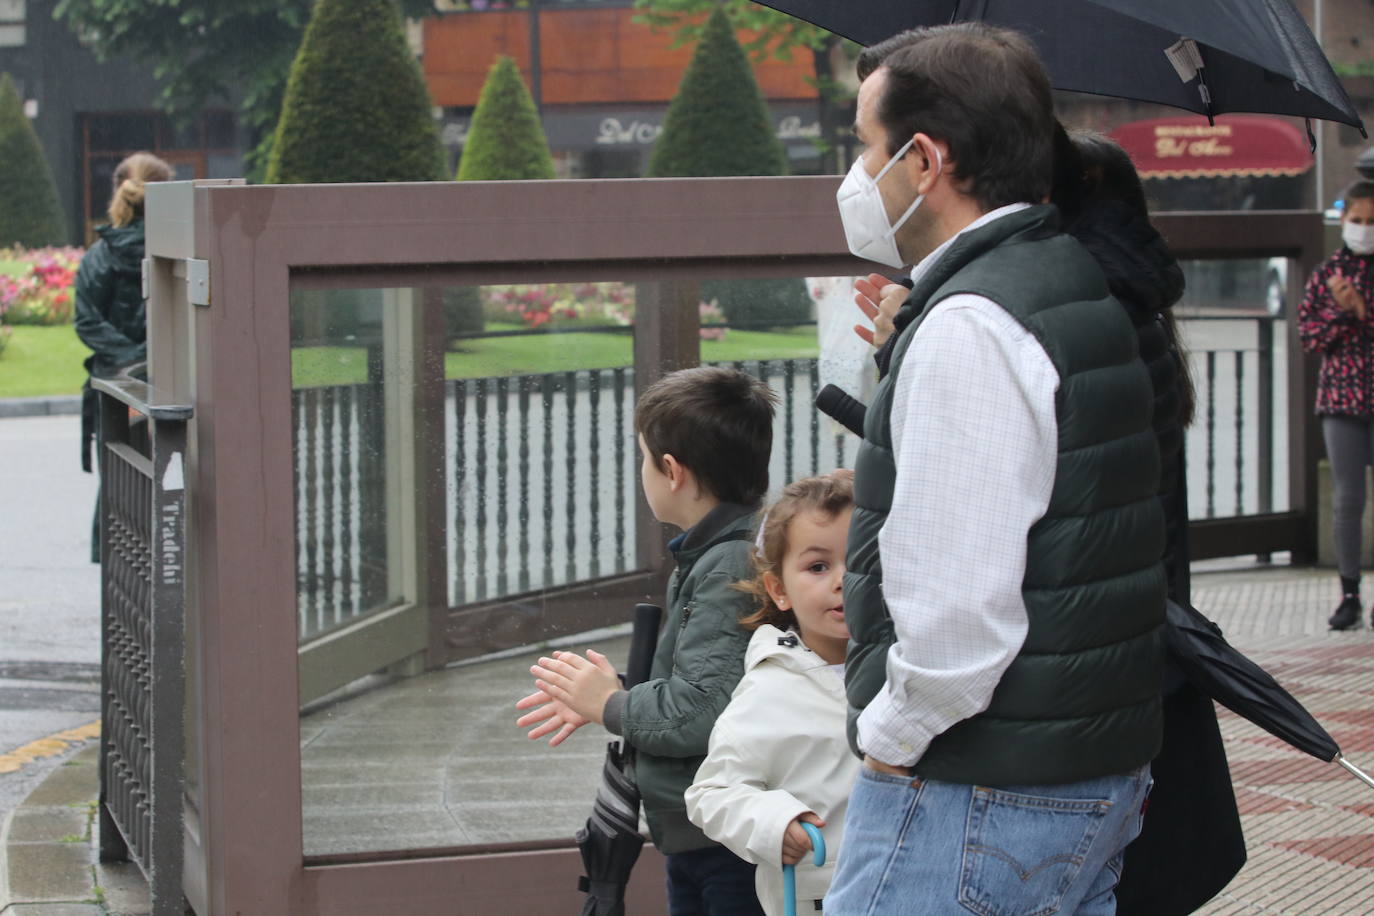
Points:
x=42 y=361
x=47 y=360
x=494 y=356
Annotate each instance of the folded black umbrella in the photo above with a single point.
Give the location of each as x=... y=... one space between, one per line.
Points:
x=1216 y=667
x=610 y=841
x=1239 y=55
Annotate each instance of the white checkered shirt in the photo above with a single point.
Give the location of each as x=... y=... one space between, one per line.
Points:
x=975 y=441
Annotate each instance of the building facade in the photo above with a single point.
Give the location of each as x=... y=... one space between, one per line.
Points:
x=90 y=114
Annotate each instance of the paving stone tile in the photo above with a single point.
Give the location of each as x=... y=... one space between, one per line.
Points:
x=49 y=872
x=30 y=824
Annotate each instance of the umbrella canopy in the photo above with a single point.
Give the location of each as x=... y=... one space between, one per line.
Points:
x=1256 y=55
x=1219 y=669
x=610 y=841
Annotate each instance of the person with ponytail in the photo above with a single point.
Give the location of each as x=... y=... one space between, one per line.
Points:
x=109 y=293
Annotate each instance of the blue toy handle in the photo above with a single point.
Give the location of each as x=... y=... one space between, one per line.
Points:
x=789 y=872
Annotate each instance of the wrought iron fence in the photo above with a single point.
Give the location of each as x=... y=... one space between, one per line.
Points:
x=142 y=544
x=541 y=472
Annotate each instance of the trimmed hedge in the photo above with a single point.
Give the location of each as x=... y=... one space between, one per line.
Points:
x=718 y=125
x=506 y=140
x=30 y=212
x=356 y=105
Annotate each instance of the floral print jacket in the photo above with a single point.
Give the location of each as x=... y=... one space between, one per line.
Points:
x=1345 y=385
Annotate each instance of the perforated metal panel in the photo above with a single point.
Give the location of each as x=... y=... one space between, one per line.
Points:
x=142 y=513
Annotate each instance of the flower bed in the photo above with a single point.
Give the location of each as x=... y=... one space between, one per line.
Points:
x=36 y=285
x=569 y=305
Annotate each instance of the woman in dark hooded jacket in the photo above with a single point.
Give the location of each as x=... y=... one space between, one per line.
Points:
x=1191 y=845
x=109 y=294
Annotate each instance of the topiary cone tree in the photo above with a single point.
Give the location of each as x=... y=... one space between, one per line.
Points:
x=30 y=213
x=356 y=105
x=505 y=143
x=718 y=125
x=506 y=140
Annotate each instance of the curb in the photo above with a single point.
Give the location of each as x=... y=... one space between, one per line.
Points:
x=62 y=405
x=48 y=858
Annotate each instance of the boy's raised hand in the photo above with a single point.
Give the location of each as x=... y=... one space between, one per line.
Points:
x=554 y=716
x=795 y=843
x=583 y=685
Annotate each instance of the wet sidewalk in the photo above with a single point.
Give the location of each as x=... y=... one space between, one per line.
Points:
x=396 y=769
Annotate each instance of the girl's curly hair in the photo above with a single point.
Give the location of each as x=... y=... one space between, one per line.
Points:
x=829 y=494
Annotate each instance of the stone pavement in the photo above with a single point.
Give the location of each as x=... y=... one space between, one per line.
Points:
x=1309 y=825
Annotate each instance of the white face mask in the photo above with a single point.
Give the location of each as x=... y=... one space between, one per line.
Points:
x=1358 y=238
x=865 y=218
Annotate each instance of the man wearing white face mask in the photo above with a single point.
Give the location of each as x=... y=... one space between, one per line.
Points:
x=1004 y=593
x=1334 y=320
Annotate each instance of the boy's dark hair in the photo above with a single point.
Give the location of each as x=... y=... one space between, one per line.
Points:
x=981 y=89
x=1360 y=190
x=718 y=423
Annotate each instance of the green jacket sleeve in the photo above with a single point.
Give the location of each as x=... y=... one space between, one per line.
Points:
x=673 y=716
x=94 y=297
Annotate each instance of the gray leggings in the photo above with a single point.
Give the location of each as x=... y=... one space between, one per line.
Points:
x=1350 y=446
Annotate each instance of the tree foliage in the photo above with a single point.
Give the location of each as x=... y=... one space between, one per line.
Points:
x=356 y=105
x=506 y=140
x=772 y=35
x=30 y=213
x=203 y=51
x=718 y=125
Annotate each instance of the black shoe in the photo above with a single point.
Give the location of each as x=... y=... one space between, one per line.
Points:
x=1347 y=615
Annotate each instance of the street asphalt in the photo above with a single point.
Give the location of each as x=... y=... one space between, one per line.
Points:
x=49 y=596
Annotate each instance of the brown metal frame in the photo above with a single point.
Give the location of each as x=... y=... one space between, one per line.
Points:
x=1299 y=237
x=232 y=361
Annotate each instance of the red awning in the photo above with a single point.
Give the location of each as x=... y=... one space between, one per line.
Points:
x=1236 y=146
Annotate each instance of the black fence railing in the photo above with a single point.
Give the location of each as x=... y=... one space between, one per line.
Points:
x=541 y=470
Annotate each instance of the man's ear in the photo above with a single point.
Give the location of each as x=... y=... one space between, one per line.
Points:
x=928 y=162
x=773 y=585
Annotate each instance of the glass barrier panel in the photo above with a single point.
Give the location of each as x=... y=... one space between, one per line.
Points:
x=537 y=490
x=1232 y=321
x=539 y=391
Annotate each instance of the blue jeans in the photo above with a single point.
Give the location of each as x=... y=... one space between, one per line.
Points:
x=711 y=882
x=925 y=847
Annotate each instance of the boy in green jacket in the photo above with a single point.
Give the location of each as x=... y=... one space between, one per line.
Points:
x=706 y=435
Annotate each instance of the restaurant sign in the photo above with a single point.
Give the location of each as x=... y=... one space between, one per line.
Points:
x=1235 y=146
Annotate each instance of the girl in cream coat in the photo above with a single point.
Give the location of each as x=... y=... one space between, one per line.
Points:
x=778 y=753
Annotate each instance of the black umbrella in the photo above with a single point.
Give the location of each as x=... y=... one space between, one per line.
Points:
x=1209 y=57
x=610 y=841
x=1215 y=666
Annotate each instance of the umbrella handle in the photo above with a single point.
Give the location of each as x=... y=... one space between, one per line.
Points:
x=1358 y=773
x=789 y=872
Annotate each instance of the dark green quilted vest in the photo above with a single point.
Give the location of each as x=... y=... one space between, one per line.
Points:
x=1081 y=699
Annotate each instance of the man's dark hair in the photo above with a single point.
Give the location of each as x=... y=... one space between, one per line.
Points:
x=984 y=92
x=1360 y=190
x=718 y=423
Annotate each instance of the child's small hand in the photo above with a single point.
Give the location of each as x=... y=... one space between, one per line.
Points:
x=555 y=716
x=795 y=843
x=1347 y=296
x=582 y=684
